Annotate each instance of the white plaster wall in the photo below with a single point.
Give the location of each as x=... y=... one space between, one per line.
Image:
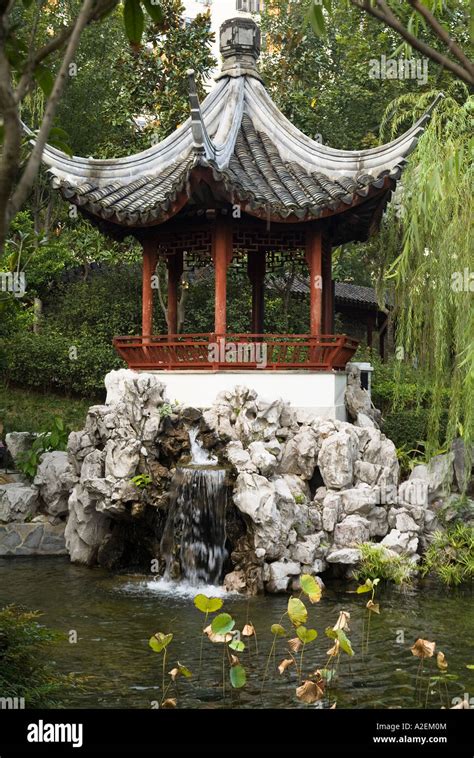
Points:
x=318 y=394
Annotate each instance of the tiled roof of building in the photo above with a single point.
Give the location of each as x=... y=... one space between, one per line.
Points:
x=345 y=292
x=256 y=156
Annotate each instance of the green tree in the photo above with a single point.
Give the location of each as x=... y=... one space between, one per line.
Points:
x=323 y=85
x=431 y=269
x=38 y=45
x=425 y=26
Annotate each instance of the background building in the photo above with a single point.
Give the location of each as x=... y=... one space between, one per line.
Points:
x=220 y=11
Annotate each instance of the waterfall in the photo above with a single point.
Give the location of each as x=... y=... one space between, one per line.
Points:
x=199 y=455
x=193 y=542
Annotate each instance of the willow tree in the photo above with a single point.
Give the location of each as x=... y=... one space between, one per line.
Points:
x=432 y=257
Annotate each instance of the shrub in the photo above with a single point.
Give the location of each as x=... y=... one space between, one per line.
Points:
x=42 y=361
x=450 y=556
x=376 y=563
x=25 y=662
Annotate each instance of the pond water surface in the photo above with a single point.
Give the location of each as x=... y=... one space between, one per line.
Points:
x=115 y=615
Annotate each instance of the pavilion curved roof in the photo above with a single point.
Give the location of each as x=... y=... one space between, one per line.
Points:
x=256 y=156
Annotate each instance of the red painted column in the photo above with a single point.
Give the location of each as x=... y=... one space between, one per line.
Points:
x=328 y=299
x=222 y=255
x=175 y=272
x=150 y=256
x=314 y=257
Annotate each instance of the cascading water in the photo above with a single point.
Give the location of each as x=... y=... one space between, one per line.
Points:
x=193 y=542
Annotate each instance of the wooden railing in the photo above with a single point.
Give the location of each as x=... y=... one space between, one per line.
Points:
x=277 y=352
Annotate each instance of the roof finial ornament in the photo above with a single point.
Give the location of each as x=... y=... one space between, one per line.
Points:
x=240 y=44
x=202 y=144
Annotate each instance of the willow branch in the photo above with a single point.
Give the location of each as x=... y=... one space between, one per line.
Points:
x=382 y=12
x=441 y=32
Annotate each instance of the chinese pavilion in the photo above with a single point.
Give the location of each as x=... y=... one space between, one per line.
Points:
x=237 y=184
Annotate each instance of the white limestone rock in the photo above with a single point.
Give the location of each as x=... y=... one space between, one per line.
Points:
x=262 y=459
x=336 y=459
x=414 y=492
x=401 y=519
x=400 y=542
x=19 y=443
x=240 y=458
x=378 y=520
x=305 y=551
x=332 y=511
x=121 y=458
x=136 y=391
x=381 y=451
x=438 y=474
x=86 y=529
x=55 y=479
x=360 y=499
x=351 y=531
x=18 y=502
x=365 y=421
x=300 y=454
x=235 y=582
x=280 y=573
x=35 y=538
x=346 y=556
x=368 y=473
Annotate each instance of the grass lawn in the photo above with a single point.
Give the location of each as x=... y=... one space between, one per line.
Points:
x=26 y=411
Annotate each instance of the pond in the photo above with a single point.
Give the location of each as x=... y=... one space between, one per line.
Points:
x=115 y=615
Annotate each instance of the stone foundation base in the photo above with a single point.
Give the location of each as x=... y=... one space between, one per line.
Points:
x=20 y=539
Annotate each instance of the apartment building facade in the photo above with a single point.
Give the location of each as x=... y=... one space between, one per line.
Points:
x=220 y=11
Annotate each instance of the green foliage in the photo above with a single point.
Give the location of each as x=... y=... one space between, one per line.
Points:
x=405 y=399
x=56 y=439
x=376 y=564
x=134 y=20
x=434 y=310
x=450 y=556
x=26 y=670
x=222 y=624
x=42 y=362
x=140 y=92
x=159 y=642
x=238 y=677
x=323 y=84
x=311 y=588
x=142 y=481
x=278 y=630
x=29 y=411
x=306 y=635
x=342 y=638
x=165 y=410
x=207 y=604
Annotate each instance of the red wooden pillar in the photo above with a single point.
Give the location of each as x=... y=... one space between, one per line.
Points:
x=222 y=255
x=256 y=267
x=175 y=272
x=314 y=258
x=328 y=290
x=150 y=257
